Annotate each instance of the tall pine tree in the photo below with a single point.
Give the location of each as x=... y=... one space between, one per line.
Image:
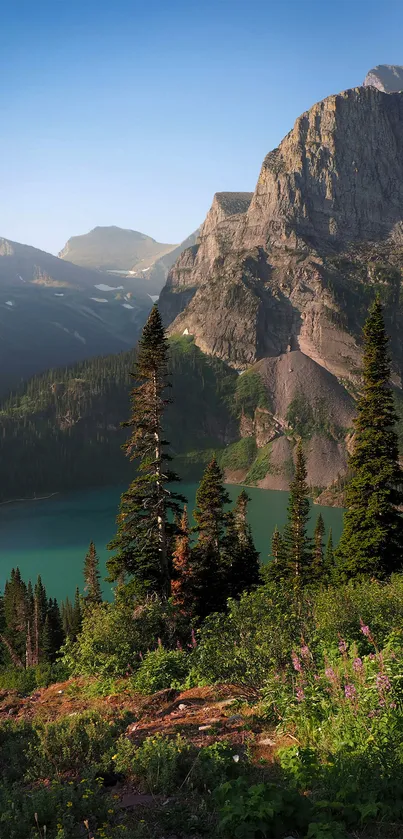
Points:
x=243 y=558
x=209 y=559
x=297 y=553
x=318 y=573
x=372 y=540
x=143 y=543
x=92 y=587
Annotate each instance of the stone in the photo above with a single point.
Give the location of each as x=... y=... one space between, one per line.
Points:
x=277 y=279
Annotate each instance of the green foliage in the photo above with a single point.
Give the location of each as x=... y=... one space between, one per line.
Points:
x=260 y=466
x=161 y=669
x=252 y=640
x=164 y=765
x=260 y=811
x=62 y=429
x=112 y=638
x=238 y=455
x=60 y=809
x=250 y=393
x=25 y=680
x=142 y=545
x=372 y=539
x=159 y=765
x=72 y=743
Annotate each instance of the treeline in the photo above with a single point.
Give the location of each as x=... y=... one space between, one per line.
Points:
x=63 y=430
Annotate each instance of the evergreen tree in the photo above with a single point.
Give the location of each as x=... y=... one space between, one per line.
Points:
x=182 y=571
x=277 y=567
x=297 y=545
x=318 y=560
x=209 y=560
x=92 y=577
x=77 y=616
x=243 y=558
x=329 y=558
x=143 y=543
x=372 y=539
x=55 y=625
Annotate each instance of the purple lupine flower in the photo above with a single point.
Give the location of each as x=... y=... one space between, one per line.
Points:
x=305 y=651
x=382 y=682
x=350 y=691
x=194 y=642
x=357 y=664
x=342 y=646
x=300 y=695
x=372 y=657
x=159 y=642
x=365 y=629
x=296 y=662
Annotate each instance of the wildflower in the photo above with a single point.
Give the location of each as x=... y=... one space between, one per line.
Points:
x=110 y=811
x=365 y=629
x=372 y=657
x=342 y=646
x=194 y=642
x=382 y=682
x=357 y=664
x=305 y=651
x=159 y=642
x=330 y=674
x=350 y=691
x=114 y=757
x=235 y=758
x=69 y=803
x=300 y=695
x=296 y=662
x=393 y=705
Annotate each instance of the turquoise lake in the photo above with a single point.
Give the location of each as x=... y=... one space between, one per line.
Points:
x=51 y=537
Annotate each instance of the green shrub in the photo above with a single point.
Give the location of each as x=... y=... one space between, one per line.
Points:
x=261 y=465
x=24 y=681
x=254 y=639
x=73 y=744
x=16 y=740
x=60 y=808
x=112 y=637
x=261 y=811
x=159 y=765
x=250 y=393
x=161 y=669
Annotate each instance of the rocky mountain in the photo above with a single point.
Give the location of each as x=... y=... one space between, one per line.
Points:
x=155 y=276
x=54 y=313
x=385 y=77
x=113 y=248
x=279 y=282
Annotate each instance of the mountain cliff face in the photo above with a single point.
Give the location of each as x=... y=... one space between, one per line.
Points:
x=294 y=267
x=386 y=77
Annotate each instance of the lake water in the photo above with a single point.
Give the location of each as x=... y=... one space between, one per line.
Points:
x=51 y=537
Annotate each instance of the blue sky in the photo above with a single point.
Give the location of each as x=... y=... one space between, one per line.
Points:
x=135 y=113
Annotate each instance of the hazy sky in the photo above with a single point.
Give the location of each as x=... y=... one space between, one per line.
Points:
x=134 y=112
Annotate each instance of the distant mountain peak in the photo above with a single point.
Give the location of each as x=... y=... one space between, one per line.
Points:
x=385 y=77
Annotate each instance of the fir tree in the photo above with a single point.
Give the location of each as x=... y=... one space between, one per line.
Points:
x=182 y=571
x=372 y=539
x=297 y=545
x=77 y=615
x=277 y=567
x=143 y=543
x=209 y=560
x=56 y=633
x=318 y=561
x=329 y=557
x=92 y=577
x=243 y=558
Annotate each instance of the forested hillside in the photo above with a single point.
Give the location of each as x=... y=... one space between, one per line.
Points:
x=62 y=430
